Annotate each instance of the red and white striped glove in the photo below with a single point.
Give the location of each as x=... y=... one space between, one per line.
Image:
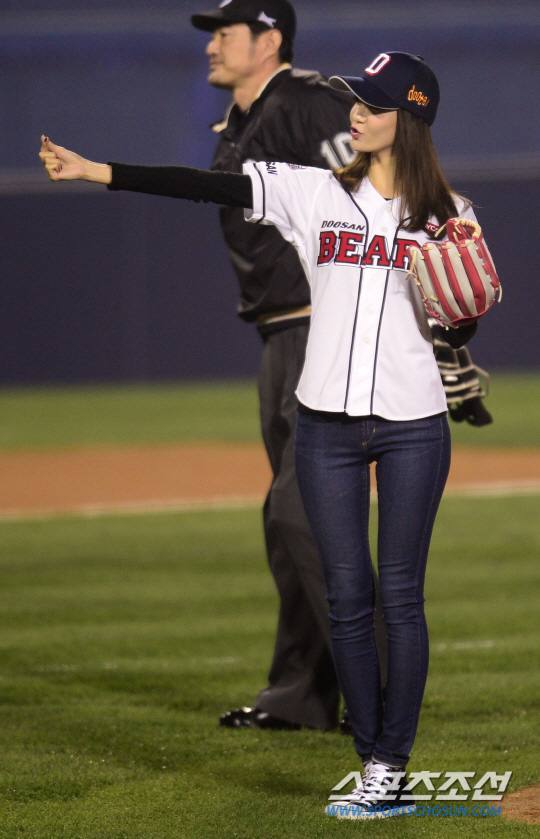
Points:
x=457 y=279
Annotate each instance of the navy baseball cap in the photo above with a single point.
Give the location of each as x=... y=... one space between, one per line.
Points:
x=396 y=80
x=275 y=14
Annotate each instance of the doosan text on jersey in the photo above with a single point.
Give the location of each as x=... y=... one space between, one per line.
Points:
x=370 y=349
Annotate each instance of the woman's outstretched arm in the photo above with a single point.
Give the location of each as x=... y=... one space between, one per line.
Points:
x=172 y=181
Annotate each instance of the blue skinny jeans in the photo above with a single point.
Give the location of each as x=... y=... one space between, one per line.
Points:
x=333 y=454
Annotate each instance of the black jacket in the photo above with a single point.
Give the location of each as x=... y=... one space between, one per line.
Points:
x=298 y=119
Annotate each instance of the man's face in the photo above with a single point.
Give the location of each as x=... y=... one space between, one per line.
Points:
x=234 y=55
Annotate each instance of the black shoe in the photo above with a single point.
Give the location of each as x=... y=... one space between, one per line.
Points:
x=255 y=718
x=345 y=724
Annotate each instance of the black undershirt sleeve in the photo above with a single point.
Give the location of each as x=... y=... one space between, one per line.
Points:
x=183 y=182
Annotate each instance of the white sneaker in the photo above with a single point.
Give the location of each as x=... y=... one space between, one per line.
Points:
x=384 y=793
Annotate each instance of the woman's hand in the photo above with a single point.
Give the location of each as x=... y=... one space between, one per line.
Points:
x=64 y=165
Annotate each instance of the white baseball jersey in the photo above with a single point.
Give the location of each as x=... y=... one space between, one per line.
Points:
x=369 y=349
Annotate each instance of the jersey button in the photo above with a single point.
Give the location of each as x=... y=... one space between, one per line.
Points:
x=385 y=230
x=366 y=339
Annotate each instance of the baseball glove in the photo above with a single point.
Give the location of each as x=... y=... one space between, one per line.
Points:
x=457 y=279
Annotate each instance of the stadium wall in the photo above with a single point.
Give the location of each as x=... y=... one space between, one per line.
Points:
x=121 y=287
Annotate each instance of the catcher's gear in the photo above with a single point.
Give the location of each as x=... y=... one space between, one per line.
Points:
x=457 y=279
x=465 y=384
x=472 y=410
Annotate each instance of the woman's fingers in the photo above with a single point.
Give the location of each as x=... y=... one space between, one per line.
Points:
x=58 y=161
x=64 y=165
x=47 y=147
x=56 y=170
x=54 y=174
x=60 y=151
x=52 y=164
x=52 y=167
x=48 y=156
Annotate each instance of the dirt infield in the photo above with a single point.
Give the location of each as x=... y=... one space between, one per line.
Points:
x=523 y=806
x=81 y=479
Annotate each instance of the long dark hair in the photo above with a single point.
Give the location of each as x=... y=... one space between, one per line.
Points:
x=419 y=179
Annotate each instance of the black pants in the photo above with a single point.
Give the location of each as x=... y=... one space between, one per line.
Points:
x=303 y=686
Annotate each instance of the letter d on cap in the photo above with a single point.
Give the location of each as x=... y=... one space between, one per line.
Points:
x=377 y=65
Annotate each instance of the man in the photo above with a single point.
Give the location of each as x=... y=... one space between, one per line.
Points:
x=290 y=116
x=279 y=114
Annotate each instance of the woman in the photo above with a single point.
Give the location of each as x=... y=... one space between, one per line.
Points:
x=360 y=401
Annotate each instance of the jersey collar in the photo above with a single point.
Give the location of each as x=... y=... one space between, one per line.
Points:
x=280 y=69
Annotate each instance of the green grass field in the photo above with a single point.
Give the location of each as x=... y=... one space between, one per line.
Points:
x=123 y=639
x=215 y=411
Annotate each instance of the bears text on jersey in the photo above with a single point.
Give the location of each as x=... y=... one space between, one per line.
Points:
x=348 y=248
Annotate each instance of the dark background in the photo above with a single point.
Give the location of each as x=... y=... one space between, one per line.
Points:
x=112 y=287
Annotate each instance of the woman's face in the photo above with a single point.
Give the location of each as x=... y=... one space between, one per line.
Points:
x=372 y=130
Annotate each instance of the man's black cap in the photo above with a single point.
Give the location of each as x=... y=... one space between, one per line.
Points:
x=275 y=14
x=396 y=80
